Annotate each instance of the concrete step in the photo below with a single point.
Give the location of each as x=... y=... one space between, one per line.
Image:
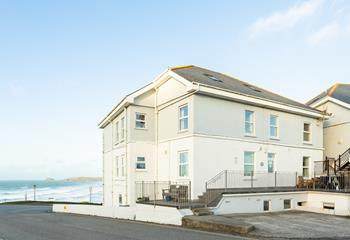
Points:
x=202 y=211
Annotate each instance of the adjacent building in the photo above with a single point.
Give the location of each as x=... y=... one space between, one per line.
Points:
x=335 y=102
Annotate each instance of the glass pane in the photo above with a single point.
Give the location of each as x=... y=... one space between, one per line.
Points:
x=305 y=161
x=184 y=111
x=273 y=131
x=183 y=158
x=248 y=158
x=183 y=170
x=305 y=172
x=184 y=123
x=140 y=165
x=140 y=124
x=140 y=159
x=270 y=162
x=248 y=116
x=306 y=137
x=248 y=170
x=140 y=116
x=286 y=204
x=273 y=120
x=249 y=128
x=306 y=127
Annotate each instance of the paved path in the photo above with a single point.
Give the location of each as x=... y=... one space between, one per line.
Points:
x=25 y=222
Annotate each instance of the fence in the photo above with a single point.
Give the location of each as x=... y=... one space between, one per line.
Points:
x=168 y=193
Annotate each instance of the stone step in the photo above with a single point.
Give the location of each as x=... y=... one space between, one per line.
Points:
x=202 y=211
x=217 y=224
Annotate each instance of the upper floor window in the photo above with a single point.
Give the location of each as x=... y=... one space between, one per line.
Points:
x=306 y=163
x=273 y=126
x=140 y=120
x=183 y=117
x=116 y=132
x=183 y=164
x=141 y=163
x=249 y=123
x=122 y=130
x=307 y=132
x=248 y=163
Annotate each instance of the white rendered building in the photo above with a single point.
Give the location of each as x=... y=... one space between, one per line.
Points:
x=190 y=124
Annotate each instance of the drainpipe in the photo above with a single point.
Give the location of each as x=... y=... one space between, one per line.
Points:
x=156 y=131
x=126 y=154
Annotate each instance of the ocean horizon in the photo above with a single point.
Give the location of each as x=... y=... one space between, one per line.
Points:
x=58 y=190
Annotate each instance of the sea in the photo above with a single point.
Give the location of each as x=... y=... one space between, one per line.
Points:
x=85 y=191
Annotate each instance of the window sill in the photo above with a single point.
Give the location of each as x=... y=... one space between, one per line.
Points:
x=183 y=131
x=275 y=138
x=250 y=135
x=136 y=128
x=307 y=143
x=141 y=170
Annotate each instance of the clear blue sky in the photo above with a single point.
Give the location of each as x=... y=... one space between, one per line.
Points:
x=64 y=64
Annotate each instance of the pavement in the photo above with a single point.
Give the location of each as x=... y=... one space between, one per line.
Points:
x=28 y=222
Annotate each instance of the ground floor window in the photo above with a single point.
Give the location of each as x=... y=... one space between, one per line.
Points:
x=270 y=162
x=286 y=204
x=266 y=205
x=306 y=164
x=141 y=163
x=183 y=164
x=120 y=198
x=248 y=163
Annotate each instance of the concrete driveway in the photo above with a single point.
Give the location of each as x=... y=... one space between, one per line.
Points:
x=296 y=225
x=26 y=222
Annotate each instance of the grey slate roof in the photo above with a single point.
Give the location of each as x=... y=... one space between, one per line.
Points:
x=219 y=80
x=340 y=92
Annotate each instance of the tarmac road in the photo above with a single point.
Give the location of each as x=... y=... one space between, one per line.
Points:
x=28 y=222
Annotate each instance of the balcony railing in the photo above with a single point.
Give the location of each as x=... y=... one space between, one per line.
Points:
x=230 y=179
x=167 y=193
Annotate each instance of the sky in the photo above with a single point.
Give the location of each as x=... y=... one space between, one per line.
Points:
x=65 y=64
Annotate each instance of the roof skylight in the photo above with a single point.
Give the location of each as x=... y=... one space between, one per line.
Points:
x=211 y=77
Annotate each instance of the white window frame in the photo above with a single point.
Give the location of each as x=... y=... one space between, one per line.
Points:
x=276 y=126
x=250 y=164
x=181 y=164
x=273 y=161
x=183 y=118
x=117 y=165
x=251 y=123
x=138 y=161
x=307 y=132
x=122 y=157
x=117 y=132
x=306 y=167
x=141 y=121
x=122 y=129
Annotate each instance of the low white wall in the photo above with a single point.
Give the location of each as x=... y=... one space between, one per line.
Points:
x=253 y=202
x=311 y=201
x=140 y=212
x=341 y=203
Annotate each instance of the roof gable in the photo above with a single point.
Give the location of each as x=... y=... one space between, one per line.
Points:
x=340 y=92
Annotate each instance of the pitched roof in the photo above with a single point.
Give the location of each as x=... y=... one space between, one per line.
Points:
x=222 y=81
x=340 y=92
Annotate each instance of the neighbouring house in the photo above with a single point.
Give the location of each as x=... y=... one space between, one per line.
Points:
x=197 y=128
x=335 y=101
